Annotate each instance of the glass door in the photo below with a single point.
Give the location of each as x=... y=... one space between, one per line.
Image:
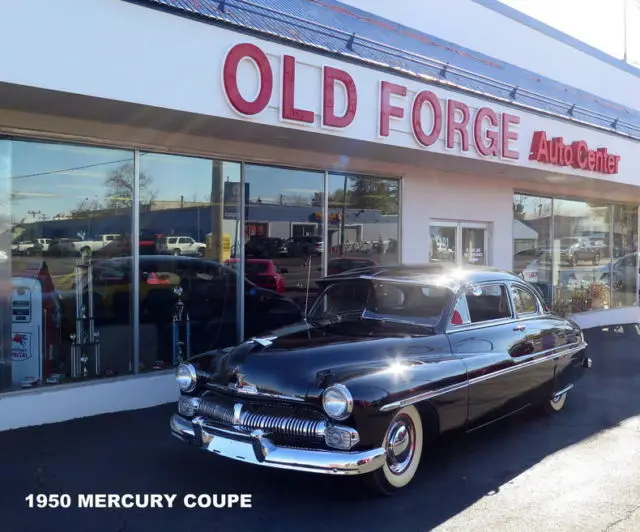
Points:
x=474 y=244
x=444 y=242
x=459 y=243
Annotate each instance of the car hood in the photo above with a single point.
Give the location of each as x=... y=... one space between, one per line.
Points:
x=301 y=359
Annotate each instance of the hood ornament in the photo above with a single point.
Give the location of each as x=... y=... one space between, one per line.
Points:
x=266 y=341
x=240 y=384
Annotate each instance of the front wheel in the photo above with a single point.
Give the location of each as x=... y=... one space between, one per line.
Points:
x=403 y=444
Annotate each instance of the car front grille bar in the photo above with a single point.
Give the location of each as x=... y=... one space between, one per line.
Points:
x=283 y=425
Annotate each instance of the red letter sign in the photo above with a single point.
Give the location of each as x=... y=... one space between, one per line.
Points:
x=539 y=148
x=453 y=126
x=508 y=135
x=230 y=79
x=416 y=118
x=491 y=135
x=387 y=109
x=288 y=109
x=330 y=77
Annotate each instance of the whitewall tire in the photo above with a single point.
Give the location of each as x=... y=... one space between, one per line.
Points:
x=403 y=442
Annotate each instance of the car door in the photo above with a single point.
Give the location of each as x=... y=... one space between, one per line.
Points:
x=494 y=346
x=536 y=369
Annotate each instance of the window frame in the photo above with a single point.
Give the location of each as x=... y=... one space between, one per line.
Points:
x=451 y=327
x=536 y=299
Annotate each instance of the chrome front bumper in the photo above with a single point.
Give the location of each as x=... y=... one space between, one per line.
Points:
x=255 y=448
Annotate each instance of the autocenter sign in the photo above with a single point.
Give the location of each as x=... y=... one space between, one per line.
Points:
x=435 y=122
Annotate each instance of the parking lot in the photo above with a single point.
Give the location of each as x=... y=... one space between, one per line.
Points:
x=577 y=471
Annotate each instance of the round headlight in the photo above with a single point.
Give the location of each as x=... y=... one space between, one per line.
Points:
x=337 y=402
x=186 y=377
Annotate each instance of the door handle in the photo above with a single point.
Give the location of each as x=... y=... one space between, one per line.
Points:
x=519 y=327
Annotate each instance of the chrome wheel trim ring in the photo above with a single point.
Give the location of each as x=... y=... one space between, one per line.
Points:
x=401 y=444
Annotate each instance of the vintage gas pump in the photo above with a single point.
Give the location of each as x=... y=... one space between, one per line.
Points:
x=35 y=327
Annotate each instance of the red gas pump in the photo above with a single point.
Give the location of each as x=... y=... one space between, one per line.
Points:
x=35 y=327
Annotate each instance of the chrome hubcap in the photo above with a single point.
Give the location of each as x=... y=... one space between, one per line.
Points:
x=401 y=439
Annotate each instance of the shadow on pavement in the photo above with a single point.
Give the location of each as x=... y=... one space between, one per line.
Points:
x=132 y=452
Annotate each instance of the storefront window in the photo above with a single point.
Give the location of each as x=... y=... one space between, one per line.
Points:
x=70 y=304
x=68 y=281
x=581 y=254
x=188 y=235
x=284 y=236
x=532 y=241
x=363 y=228
x=623 y=272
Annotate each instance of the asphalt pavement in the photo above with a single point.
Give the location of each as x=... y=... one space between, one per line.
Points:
x=576 y=471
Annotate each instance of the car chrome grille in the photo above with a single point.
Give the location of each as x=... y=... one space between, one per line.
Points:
x=293 y=425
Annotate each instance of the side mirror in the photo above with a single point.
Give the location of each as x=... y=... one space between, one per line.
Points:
x=283 y=270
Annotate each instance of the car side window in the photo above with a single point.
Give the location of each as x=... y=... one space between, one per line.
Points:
x=488 y=302
x=524 y=301
x=460 y=315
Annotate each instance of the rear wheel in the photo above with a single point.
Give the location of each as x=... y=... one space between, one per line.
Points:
x=176 y=252
x=555 y=404
x=403 y=444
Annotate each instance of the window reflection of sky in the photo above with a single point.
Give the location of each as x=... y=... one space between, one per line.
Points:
x=55 y=178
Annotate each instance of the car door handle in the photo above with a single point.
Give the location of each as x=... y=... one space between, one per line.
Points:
x=519 y=327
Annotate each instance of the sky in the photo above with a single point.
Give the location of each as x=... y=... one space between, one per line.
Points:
x=598 y=23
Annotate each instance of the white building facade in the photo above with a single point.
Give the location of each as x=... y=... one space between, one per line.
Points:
x=143 y=144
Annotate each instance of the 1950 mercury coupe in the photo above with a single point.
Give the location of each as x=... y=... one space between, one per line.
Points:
x=384 y=359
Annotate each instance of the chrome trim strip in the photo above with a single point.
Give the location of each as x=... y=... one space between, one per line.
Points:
x=255 y=448
x=246 y=393
x=452 y=388
x=237 y=414
x=498 y=418
x=564 y=390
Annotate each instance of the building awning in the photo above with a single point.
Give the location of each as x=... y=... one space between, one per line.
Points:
x=332 y=27
x=522 y=231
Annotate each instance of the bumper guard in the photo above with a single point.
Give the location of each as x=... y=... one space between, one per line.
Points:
x=255 y=448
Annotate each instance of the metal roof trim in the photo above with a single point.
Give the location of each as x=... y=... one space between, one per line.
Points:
x=182 y=8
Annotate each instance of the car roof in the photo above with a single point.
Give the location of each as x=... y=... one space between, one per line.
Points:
x=429 y=274
x=259 y=261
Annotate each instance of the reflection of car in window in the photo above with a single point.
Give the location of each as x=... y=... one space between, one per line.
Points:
x=384 y=359
x=622 y=273
x=262 y=272
x=574 y=250
x=343 y=264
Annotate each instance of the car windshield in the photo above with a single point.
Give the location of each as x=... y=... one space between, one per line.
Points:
x=382 y=300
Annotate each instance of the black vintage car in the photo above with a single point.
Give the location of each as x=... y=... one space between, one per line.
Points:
x=385 y=359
